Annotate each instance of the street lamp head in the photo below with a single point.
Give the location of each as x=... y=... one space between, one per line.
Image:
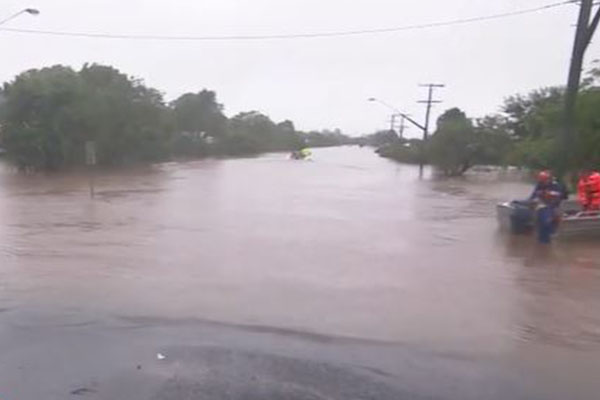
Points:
x=30 y=11
x=372 y=99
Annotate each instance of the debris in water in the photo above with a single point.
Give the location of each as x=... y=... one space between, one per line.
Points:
x=160 y=356
x=82 y=391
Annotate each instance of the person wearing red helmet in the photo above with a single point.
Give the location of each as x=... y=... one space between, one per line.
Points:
x=548 y=194
x=548 y=191
x=544 y=176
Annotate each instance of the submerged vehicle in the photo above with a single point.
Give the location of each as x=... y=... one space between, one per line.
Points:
x=519 y=217
x=303 y=154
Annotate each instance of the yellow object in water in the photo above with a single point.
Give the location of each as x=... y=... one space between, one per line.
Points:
x=305 y=153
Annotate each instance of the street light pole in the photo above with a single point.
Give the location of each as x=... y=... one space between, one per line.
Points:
x=30 y=11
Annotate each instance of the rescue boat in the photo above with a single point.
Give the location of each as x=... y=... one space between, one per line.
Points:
x=518 y=217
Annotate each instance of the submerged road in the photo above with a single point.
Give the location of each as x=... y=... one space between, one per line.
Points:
x=346 y=277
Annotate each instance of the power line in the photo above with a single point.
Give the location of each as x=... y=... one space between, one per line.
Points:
x=96 y=35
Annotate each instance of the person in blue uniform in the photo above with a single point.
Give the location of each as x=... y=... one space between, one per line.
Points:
x=548 y=194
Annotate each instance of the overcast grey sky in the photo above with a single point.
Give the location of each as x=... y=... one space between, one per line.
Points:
x=318 y=83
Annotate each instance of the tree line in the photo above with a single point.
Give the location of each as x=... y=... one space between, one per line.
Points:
x=47 y=115
x=525 y=133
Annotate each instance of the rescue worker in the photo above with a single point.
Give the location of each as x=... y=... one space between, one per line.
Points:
x=548 y=190
x=549 y=194
x=588 y=190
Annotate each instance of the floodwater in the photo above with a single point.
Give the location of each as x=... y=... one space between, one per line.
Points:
x=346 y=245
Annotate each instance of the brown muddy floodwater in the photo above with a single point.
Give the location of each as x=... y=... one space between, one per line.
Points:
x=347 y=244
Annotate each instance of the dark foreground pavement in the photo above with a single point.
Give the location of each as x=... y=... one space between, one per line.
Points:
x=118 y=358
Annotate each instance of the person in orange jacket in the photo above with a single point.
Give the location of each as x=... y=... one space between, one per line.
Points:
x=588 y=190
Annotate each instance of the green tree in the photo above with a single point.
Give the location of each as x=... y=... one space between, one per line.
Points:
x=592 y=78
x=453 y=147
x=587 y=143
x=50 y=113
x=493 y=140
x=47 y=115
x=527 y=116
x=199 y=121
x=39 y=126
x=199 y=113
x=128 y=120
x=534 y=121
x=253 y=132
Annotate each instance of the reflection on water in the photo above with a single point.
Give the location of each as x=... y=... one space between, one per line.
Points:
x=558 y=286
x=348 y=244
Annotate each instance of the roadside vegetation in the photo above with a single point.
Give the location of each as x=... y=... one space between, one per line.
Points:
x=47 y=115
x=524 y=134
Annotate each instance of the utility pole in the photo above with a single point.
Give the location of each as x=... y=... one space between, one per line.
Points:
x=429 y=103
x=583 y=37
x=393 y=123
x=403 y=126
